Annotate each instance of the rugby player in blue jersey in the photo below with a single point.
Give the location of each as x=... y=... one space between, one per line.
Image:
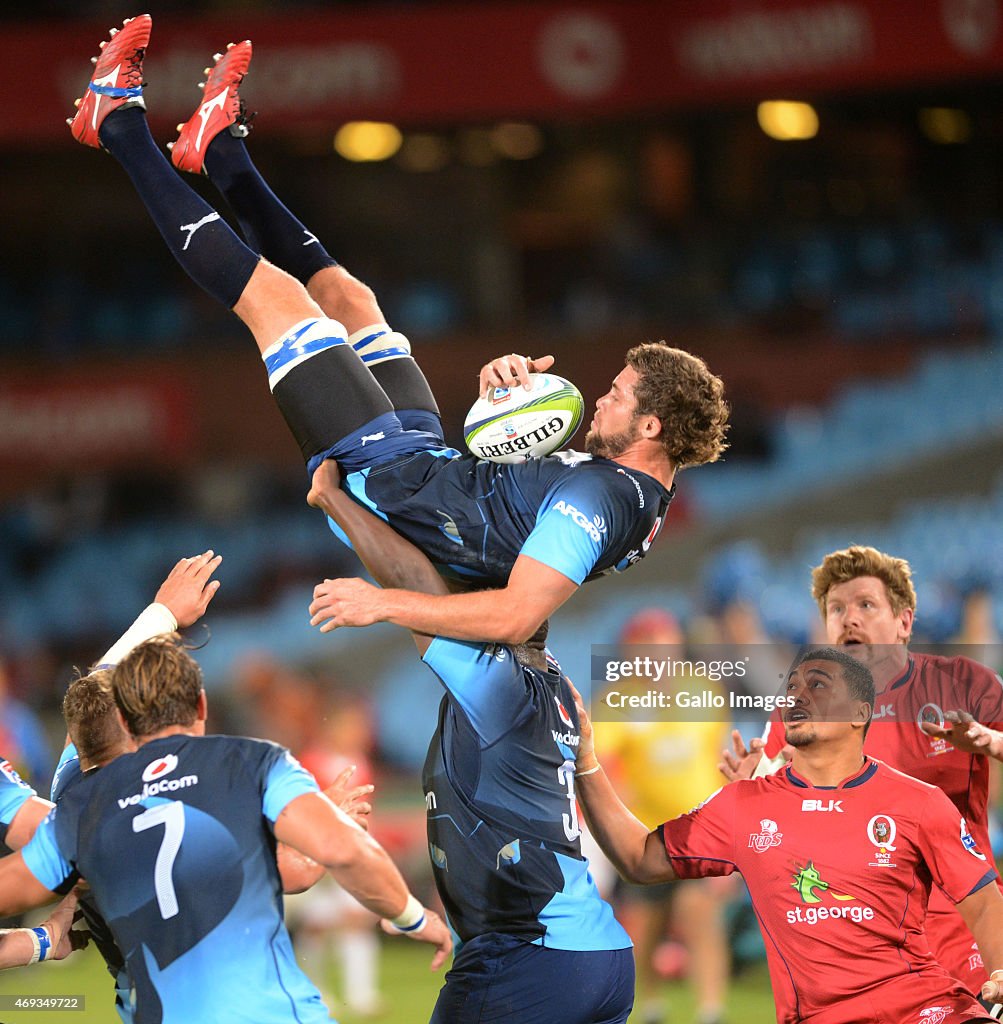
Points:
x=21 y=811
x=177 y=843
x=97 y=738
x=537 y=944
x=349 y=389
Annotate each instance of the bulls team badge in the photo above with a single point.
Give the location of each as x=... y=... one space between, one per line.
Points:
x=158 y=769
x=881 y=832
x=767 y=837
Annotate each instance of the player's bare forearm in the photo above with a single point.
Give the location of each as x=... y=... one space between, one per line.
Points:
x=20 y=890
x=509 y=615
x=316 y=828
x=982 y=911
x=392 y=560
x=637 y=854
x=297 y=871
x=29 y=816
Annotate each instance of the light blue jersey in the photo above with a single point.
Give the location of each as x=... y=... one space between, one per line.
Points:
x=177 y=845
x=499 y=781
x=14 y=792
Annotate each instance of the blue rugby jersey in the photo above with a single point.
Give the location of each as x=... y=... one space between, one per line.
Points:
x=499 y=784
x=177 y=845
x=582 y=516
x=14 y=792
x=67 y=771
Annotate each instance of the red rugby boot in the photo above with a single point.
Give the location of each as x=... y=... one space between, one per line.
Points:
x=117 y=80
x=221 y=107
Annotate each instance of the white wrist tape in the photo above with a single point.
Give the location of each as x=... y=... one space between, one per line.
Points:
x=588 y=771
x=154 y=620
x=412 y=918
x=769 y=766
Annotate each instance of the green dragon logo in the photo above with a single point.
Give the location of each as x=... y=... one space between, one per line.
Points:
x=807 y=881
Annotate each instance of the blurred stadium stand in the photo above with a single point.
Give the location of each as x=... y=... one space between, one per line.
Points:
x=848 y=287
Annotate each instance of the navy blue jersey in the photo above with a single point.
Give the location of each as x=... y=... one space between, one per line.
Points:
x=68 y=770
x=499 y=784
x=583 y=517
x=14 y=792
x=177 y=845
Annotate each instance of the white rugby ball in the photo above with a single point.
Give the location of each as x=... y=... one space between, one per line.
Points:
x=513 y=424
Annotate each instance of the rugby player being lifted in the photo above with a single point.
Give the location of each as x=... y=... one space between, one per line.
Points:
x=350 y=390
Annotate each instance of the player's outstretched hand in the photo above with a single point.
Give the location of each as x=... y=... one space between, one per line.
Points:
x=740 y=762
x=326 y=481
x=434 y=932
x=59 y=926
x=963 y=733
x=508 y=371
x=345 y=602
x=189 y=587
x=352 y=800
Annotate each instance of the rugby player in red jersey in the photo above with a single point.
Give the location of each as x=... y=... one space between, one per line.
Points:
x=935 y=718
x=839 y=852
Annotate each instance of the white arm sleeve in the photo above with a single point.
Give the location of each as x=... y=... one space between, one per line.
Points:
x=154 y=620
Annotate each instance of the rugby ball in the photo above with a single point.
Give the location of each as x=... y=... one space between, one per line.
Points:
x=513 y=424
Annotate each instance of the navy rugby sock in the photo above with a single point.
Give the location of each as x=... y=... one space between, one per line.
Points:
x=201 y=241
x=268 y=225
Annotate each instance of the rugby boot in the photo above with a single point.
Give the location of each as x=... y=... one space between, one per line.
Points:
x=221 y=107
x=117 y=80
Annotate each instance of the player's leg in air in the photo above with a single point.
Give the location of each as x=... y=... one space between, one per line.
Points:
x=324 y=386
x=211 y=142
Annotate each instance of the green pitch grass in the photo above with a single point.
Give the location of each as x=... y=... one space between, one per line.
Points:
x=407 y=984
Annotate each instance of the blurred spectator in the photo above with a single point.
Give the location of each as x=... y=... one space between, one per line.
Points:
x=665 y=768
x=22 y=738
x=328 y=923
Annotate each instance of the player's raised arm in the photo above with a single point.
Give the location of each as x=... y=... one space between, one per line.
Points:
x=637 y=854
x=180 y=601
x=392 y=560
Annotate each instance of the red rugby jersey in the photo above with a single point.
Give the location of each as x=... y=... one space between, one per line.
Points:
x=840 y=878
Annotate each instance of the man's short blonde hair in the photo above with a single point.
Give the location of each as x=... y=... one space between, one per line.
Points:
x=853 y=562
x=157 y=685
x=89 y=711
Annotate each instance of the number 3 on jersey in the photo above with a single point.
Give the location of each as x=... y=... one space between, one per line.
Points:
x=566 y=777
x=172 y=816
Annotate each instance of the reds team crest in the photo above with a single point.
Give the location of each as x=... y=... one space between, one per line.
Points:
x=767 y=837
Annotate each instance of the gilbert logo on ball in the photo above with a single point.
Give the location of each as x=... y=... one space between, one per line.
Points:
x=513 y=424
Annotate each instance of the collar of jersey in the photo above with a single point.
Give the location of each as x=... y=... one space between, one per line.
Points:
x=867 y=770
x=906 y=675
